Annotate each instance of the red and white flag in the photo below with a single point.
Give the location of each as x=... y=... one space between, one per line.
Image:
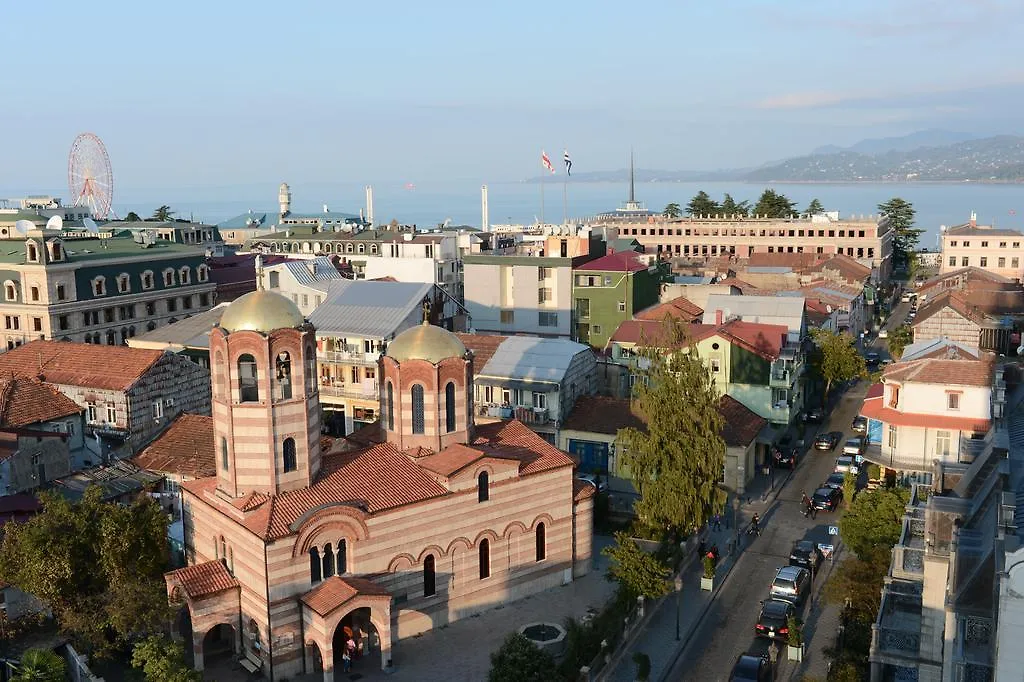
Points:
x=545 y=161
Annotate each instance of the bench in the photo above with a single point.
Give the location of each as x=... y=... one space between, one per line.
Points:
x=251 y=662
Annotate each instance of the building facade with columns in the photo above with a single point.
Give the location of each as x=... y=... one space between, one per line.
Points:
x=292 y=545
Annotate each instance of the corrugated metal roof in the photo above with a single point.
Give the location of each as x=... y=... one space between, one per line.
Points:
x=770 y=269
x=251 y=219
x=532 y=358
x=192 y=332
x=367 y=308
x=308 y=272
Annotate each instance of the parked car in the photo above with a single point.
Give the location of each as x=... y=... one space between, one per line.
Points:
x=806 y=554
x=785 y=457
x=751 y=668
x=835 y=480
x=872 y=359
x=845 y=463
x=854 y=446
x=792 y=584
x=883 y=333
x=594 y=481
x=814 y=415
x=860 y=424
x=773 y=621
x=827 y=441
x=827 y=499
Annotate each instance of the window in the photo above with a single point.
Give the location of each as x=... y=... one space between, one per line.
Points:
x=894 y=396
x=99 y=286
x=417 y=409
x=953 y=401
x=150 y=308
x=12 y=322
x=111 y=414
x=123 y=284
x=583 y=308
x=224 y=453
x=284 y=375
x=158 y=409
x=965 y=261
x=622 y=306
x=984 y=261
x=449 y=407
x=172 y=305
x=547 y=319
x=342 y=556
x=202 y=273
x=540 y=400
x=315 y=574
x=507 y=317
x=288 y=455
x=952 y=261
x=34 y=293
x=607 y=280
x=60 y=292
x=390 y=407
x=984 y=245
x=943 y=442
x=33 y=252
x=716 y=365
x=1014 y=262
x=1001 y=262
x=204 y=300
x=37 y=324
x=966 y=244
x=596 y=329
x=328 y=561
x=429 y=582
x=185 y=275
x=248 y=385
x=485 y=558
x=543 y=273
x=147 y=279
x=483 y=487
x=1002 y=245
x=10 y=291
x=543 y=295
x=541 y=544
x=168 y=277
x=62 y=322
x=953 y=243
x=892 y=436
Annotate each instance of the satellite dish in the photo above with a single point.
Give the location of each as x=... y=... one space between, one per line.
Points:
x=23 y=226
x=55 y=223
x=91 y=225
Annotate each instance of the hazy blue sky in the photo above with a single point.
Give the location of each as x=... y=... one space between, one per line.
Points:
x=192 y=94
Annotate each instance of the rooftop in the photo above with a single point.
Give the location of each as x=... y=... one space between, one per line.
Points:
x=483 y=346
x=183 y=449
x=114 y=480
x=938 y=348
x=622 y=261
x=28 y=401
x=190 y=332
x=368 y=309
x=758 y=307
x=201 y=580
x=310 y=271
x=531 y=358
x=97 y=366
x=969 y=230
x=121 y=245
x=966 y=371
x=680 y=307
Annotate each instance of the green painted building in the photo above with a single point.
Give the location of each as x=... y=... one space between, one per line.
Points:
x=610 y=290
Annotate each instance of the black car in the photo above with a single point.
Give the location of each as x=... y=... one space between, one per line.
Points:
x=785 y=457
x=751 y=668
x=872 y=359
x=814 y=415
x=805 y=554
x=827 y=499
x=773 y=621
x=827 y=441
x=835 y=480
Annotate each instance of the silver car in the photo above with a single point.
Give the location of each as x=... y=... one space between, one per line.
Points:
x=792 y=583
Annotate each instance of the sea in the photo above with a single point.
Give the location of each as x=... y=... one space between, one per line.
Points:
x=429 y=204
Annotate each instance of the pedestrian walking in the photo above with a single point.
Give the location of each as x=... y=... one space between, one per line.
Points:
x=812 y=511
x=755 y=525
x=717 y=521
x=346 y=661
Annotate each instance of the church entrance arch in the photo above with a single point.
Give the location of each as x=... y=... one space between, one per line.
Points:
x=218 y=643
x=356 y=627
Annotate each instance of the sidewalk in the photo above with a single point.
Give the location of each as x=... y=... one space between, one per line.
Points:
x=820 y=629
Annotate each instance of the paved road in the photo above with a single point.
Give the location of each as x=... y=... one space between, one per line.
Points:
x=728 y=628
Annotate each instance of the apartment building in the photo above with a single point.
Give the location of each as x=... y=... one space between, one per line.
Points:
x=611 y=289
x=986 y=318
x=101 y=289
x=868 y=239
x=304 y=281
x=995 y=250
x=519 y=294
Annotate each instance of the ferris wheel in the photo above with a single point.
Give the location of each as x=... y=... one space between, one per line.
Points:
x=90 y=178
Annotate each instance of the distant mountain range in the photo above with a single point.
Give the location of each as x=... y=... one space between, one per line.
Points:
x=926 y=156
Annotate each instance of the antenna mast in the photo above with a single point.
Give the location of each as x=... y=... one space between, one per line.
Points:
x=632 y=193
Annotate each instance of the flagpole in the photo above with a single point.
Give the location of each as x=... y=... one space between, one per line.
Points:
x=542 y=198
x=565 y=200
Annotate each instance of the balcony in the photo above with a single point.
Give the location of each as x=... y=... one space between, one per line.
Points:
x=350 y=355
x=780 y=413
x=527 y=415
x=780 y=378
x=366 y=389
x=973 y=648
x=896 y=635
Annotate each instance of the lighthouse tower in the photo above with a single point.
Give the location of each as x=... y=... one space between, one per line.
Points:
x=284 y=199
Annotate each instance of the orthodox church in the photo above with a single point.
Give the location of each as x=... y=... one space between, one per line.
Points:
x=293 y=546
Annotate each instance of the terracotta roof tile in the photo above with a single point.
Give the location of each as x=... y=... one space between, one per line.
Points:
x=783 y=260
x=185 y=448
x=681 y=307
x=28 y=401
x=622 y=261
x=846 y=267
x=581 y=490
x=450 y=460
x=200 y=580
x=741 y=424
x=602 y=414
x=484 y=346
x=959 y=372
x=736 y=282
x=337 y=591
x=115 y=368
x=511 y=439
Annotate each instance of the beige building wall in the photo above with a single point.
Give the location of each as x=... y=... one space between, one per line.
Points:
x=1002 y=254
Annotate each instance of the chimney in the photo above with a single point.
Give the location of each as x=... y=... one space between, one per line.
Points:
x=718 y=317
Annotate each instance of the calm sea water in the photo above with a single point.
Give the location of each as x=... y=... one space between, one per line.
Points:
x=428 y=204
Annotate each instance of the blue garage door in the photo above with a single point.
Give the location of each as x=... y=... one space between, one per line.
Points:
x=593 y=455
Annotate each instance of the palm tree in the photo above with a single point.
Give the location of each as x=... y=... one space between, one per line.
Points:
x=40 y=665
x=132 y=217
x=163 y=214
x=672 y=211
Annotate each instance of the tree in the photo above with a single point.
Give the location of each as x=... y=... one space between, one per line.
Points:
x=900 y=338
x=730 y=207
x=40 y=665
x=519 y=660
x=814 y=208
x=132 y=217
x=874 y=521
x=849 y=488
x=857 y=582
x=901 y=221
x=702 y=204
x=835 y=359
x=677 y=461
x=772 y=204
x=672 y=211
x=163 y=660
x=639 y=573
x=163 y=214
x=103 y=579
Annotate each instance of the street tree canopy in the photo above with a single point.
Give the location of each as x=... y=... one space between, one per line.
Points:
x=773 y=204
x=677 y=461
x=639 y=573
x=901 y=221
x=874 y=521
x=702 y=204
x=899 y=338
x=163 y=660
x=835 y=358
x=98 y=566
x=519 y=660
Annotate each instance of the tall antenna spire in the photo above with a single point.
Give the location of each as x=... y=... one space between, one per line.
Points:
x=632 y=193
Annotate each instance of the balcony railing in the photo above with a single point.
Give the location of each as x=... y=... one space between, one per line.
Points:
x=781 y=412
x=353 y=356
x=527 y=415
x=897 y=631
x=366 y=389
x=780 y=378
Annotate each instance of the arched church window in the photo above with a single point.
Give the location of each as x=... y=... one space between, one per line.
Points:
x=485 y=558
x=449 y=407
x=429 y=586
x=223 y=551
x=417 y=408
x=284 y=375
x=288 y=455
x=483 y=487
x=541 y=541
x=342 y=556
x=315 y=572
x=390 y=406
x=310 y=370
x=328 y=561
x=248 y=386
x=224 y=453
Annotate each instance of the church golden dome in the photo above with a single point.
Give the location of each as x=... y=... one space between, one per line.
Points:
x=426 y=342
x=261 y=311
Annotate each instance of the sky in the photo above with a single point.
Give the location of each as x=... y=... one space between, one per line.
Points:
x=219 y=94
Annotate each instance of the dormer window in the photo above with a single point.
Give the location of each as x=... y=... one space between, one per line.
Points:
x=33 y=253
x=99 y=286
x=202 y=273
x=123 y=283
x=10 y=291
x=169 y=277
x=185 y=275
x=147 y=280
x=56 y=251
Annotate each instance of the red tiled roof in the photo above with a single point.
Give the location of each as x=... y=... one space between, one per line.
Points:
x=646 y=332
x=967 y=278
x=581 y=490
x=115 y=368
x=623 y=261
x=782 y=260
x=765 y=340
x=602 y=414
x=965 y=371
x=28 y=401
x=184 y=448
x=873 y=408
x=450 y=460
x=337 y=591
x=200 y=580
x=738 y=283
x=681 y=307
x=848 y=268
x=484 y=346
x=511 y=439
x=740 y=424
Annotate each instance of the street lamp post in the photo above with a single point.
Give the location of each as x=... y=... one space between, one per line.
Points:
x=679 y=600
